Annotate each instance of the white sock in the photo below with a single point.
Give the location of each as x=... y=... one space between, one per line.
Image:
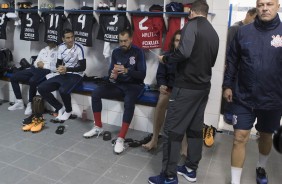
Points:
x=65 y=116
x=262 y=160
x=236 y=175
x=60 y=112
x=188 y=169
x=19 y=101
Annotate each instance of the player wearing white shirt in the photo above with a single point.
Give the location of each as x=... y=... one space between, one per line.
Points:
x=45 y=62
x=70 y=66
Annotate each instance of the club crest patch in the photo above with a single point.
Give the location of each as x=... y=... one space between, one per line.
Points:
x=132 y=60
x=276 y=41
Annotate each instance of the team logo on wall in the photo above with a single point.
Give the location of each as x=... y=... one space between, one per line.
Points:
x=277 y=41
x=132 y=60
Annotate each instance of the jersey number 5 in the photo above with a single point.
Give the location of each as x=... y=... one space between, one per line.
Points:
x=29 y=20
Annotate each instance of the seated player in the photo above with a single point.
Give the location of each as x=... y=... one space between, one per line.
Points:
x=127 y=72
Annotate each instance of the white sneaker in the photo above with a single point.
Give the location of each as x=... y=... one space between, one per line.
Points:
x=94 y=131
x=65 y=116
x=28 y=110
x=119 y=145
x=18 y=105
x=60 y=113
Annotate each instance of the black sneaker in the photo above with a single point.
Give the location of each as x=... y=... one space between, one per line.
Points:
x=27 y=120
x=261 y=176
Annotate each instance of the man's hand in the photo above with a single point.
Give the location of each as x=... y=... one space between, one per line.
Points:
x=227 y=94
x=114 y=74
x=40 y=64
x=163 y=89
x=120 y=69
x=161 y=59
x=61 y=69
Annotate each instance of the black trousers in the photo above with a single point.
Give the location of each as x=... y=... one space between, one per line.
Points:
x=64 y=84
x=32 y=76
x=185 y=114
x=130 y=93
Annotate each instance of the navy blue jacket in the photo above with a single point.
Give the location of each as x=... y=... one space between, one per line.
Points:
x=166 y=74
x=254 y=65
x=132 y=59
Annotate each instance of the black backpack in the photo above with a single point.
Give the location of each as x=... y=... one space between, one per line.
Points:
x=6 y=58
x=38 y=105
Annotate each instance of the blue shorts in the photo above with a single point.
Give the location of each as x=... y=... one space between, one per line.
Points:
x=243 y=118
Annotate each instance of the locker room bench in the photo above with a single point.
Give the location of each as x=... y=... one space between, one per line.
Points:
x=148 y=97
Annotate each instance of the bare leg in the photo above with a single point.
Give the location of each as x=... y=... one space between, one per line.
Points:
x=158 y=120
x=184 y=146
x=265 y=143
x=238 y=154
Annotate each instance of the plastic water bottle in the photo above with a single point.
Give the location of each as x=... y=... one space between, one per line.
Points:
x=84 y=115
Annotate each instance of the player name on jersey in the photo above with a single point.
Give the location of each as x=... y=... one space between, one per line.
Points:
x=111 y=25
x=148 y=31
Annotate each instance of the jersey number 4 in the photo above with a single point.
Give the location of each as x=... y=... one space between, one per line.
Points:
x=81 y=19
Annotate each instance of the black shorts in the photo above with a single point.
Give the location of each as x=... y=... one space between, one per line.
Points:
x=244 y=118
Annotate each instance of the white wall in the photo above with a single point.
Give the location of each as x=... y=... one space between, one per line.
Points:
x=98 y=66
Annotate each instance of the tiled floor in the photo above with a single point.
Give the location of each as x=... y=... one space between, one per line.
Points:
x=46 y=157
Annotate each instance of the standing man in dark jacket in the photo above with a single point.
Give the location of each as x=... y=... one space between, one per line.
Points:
x=253 y=82
x=195 y=58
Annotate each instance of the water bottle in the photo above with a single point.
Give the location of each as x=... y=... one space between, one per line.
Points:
x=84 y=115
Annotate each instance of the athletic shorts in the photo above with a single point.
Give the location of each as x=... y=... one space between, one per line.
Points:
x=244 y=118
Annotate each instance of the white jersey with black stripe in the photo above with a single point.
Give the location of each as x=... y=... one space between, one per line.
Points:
x=71 y=56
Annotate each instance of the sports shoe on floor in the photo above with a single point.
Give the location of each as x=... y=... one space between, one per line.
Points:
x=28 y=110
x=65 y=116
x=261 y=176
x=30 y=125
x=209 y=136
x=60 y=113
x=18 y=105
x=190 y=176
x=94 y=131
x=38 y=125
x=119 y=145
x=161 y=179
x=28 y=120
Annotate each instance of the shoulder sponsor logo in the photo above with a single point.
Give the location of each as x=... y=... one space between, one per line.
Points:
x=276 y=41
